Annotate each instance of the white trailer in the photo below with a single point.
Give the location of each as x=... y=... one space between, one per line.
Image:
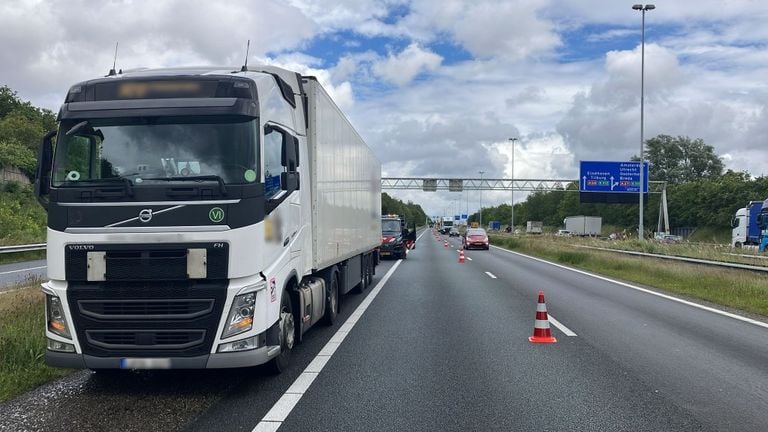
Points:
x=584 y=225
x=534 y=227
x=202 y=218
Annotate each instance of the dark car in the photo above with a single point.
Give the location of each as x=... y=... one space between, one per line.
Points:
x=476 y=238
x=454 y=232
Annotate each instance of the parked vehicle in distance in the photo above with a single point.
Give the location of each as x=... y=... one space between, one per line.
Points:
x=476 y=238
x=534 y=227
x=446 y=225
x=563 y=233
x=583 y=225
x=668 y=238
x=396 y=238
x=454 y=232
x=745 y=227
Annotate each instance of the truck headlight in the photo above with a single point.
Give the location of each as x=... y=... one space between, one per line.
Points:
x=54 y=311
x=55 y=345
x=240 y=317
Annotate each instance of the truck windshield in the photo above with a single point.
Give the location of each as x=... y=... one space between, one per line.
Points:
x=156 y=148
x=390 y=226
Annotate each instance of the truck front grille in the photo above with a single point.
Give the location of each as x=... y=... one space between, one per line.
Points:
x=127 y=309
x=145 y=339
x=147 y=319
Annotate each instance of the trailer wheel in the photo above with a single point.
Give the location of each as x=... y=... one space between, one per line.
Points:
x=287 y=336
x=737 y=245
x=332 y=300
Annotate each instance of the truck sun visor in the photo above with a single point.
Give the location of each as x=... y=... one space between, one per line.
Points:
x=179 y=87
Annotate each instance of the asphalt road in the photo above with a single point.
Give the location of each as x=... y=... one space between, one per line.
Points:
x=443 y=347
x=12 y=275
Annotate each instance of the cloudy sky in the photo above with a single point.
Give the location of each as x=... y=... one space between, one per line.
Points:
x=436 y=87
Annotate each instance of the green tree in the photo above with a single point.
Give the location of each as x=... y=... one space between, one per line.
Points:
x=681 y=159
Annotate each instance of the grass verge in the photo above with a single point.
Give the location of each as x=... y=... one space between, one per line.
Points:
x=22 y=338
x=736 y=289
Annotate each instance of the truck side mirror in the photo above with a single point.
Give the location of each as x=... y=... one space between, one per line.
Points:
x=44 y=162
x=762 y=220
x=289 y=181
x=289 y=155
x=296 y=150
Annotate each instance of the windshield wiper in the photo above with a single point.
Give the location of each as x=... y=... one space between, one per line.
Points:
x=213 y=177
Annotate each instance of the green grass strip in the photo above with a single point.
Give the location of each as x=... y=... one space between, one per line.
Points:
x=22 y=338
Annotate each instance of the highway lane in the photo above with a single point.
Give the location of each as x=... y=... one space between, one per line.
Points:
x=444 y=347
x=14 y=274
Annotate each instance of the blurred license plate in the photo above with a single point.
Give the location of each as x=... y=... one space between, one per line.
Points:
x=145 y=363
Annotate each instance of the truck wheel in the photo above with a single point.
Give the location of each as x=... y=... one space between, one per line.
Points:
x=737 y=245
x=287 y=336
x=332 y=301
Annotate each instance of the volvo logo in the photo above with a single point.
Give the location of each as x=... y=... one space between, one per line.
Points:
x=145 y=215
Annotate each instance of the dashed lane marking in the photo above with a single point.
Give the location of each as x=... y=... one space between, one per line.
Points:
x=559 y=325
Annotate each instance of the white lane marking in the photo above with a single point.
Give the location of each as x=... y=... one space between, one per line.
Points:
x=282 y=407
x=26 y=269
x=469 y=258
x=647 y=291
x=559 y=325
x=490 y=275
x=280 y=410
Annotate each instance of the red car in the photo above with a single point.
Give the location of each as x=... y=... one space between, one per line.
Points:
x=476 y=238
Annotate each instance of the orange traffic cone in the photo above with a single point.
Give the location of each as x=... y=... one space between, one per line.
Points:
x=461 y=257
x=541 y=331
x=445 y=244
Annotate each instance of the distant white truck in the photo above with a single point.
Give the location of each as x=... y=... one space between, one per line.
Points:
x=584 y=225
x=534 y=227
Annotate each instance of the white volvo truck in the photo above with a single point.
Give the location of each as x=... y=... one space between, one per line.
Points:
x=201 y=218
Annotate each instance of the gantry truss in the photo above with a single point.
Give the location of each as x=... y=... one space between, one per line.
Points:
x=461 y=184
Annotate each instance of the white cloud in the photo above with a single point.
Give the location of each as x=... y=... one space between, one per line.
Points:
x=404 y=66
x=705 y=72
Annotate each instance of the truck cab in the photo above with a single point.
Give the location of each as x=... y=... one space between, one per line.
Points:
x=745 y=225
x=396 y=238
x=183 y=218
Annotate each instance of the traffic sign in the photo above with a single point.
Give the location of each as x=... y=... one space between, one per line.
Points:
x=612 y=177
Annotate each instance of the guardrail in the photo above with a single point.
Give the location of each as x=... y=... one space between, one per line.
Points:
x=22 y=248
x=684 y=259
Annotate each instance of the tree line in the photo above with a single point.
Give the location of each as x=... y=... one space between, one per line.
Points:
x=412 y=212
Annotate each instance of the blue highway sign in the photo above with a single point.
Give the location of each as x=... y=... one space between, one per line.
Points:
x=612 y=177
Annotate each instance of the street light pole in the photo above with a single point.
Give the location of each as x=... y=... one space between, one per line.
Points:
x=642 y=9
x=481 y=197
x=512 y=222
